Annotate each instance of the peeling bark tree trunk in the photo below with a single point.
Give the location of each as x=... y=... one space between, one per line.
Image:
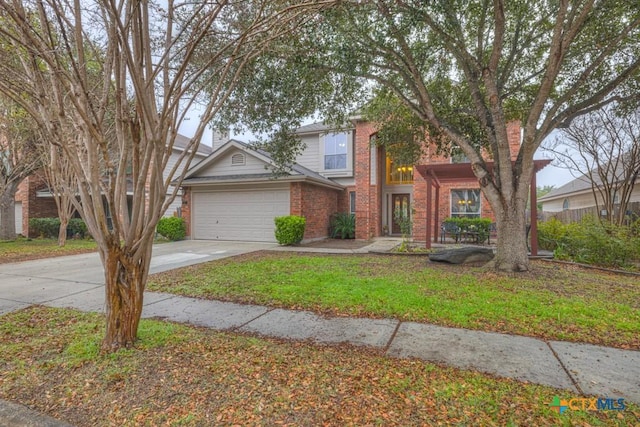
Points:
x=125 y=280
x=8 y=212
x=62 y=232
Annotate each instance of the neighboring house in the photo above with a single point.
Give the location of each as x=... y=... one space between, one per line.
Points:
x=231 y=195
x=578 y=194
x=33 y=198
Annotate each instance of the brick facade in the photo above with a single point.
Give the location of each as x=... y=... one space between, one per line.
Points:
x=316 y=204
x=33 y=206
x=369 y=191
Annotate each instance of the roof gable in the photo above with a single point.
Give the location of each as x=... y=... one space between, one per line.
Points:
x=236 y=161
x=233 y=158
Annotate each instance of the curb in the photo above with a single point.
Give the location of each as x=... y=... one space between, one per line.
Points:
x=14 y=415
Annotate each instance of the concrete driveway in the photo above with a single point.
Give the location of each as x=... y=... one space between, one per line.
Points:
x=61 y=281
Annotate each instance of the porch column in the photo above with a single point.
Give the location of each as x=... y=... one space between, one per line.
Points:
x=436 y=215
x=534 y=214
x=428 y=213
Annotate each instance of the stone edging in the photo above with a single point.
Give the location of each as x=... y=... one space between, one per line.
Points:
x=593 y=267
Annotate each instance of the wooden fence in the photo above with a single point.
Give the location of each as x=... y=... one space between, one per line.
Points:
x=575 y=215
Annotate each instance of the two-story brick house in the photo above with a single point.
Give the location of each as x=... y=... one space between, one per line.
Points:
x=231 y=195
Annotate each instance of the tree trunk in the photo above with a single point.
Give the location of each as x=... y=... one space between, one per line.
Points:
x=124 y=287
x=8 y=212
x=511 y=251
x=62 y=233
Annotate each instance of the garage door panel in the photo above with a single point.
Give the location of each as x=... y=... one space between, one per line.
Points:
x=239 y=215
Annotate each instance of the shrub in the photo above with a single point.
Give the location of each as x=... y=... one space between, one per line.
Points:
x=550 y=233
x=480 y=225
x=343 y=225
x=591 y=242
x=290 y=229
x=77 y=227
x=48 y=227
x=44 y=227
x=173 y=228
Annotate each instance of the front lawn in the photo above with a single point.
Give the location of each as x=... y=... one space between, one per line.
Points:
x=553 y=301
x=180 y=375
x=27 y=249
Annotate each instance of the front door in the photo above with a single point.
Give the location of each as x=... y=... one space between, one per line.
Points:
x=400 y=210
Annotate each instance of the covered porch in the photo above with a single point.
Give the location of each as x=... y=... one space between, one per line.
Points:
x=436 y=174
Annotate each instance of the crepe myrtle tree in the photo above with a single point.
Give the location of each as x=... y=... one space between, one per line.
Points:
x=61 y=180
x=603 y=148
x=464 y=70
x=110 y=82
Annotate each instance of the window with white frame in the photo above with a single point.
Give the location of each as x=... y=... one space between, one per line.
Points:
x=335 y=151
x=465 y=203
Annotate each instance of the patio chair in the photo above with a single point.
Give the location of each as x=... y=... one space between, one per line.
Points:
x=451 y=229
x=493 y=231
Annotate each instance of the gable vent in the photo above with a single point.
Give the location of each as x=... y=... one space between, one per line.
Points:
x=237 y=159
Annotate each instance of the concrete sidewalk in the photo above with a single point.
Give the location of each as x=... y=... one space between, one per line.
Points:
x=577 y=368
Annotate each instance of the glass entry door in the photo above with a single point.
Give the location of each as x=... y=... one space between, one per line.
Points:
x=400 y=208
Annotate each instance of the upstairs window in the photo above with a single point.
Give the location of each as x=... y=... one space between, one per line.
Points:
x=335 y=151
x=399 y=174
x=459 y=157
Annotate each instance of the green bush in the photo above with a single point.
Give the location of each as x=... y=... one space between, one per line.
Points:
x=343 y=225
x=172 y=228
x=44 y=227
x=48 y=228
x=591 y=242
x=77 y=227
x=550 y=233
x=479 y=225
x=290 y=229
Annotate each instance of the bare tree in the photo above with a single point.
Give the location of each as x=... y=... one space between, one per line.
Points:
x=603 y=148
x=130 y=70
x=62 y=182
x=18 y=159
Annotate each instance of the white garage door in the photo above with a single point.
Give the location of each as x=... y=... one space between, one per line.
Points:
x=18 y=217
x=238 y=215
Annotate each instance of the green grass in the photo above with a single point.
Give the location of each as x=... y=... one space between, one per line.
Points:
x=180 y=375
x=552 y=301
x=23 y=249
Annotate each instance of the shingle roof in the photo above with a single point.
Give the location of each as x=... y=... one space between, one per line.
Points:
x=583 y=182
x=318 y=127
x=579 y=184
x=182 y=142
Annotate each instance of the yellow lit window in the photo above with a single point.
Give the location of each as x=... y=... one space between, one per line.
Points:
x=399 y=174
